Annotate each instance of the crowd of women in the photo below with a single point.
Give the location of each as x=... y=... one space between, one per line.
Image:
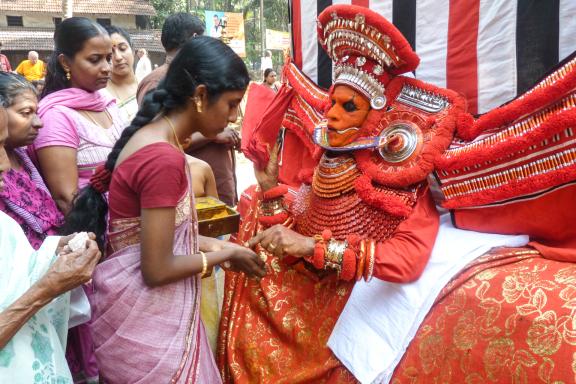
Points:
x=82 y=156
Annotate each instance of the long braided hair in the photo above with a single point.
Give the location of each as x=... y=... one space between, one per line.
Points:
x=202 y=60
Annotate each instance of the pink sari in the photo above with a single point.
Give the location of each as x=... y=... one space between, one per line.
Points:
x=143 y=334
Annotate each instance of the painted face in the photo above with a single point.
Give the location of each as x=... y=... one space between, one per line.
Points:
x=346 y=116
x=122 y=56
x=90 y=67
x=217 y=115
x=23 y=122
x=4 y=161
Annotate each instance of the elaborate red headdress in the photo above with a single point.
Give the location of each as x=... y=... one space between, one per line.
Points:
x=365 y=48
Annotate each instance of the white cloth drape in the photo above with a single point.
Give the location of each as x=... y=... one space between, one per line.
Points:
x=380 y=319
x=36 y=353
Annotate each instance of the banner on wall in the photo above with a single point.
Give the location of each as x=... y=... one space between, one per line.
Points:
x=277 y=40
x=228 y=27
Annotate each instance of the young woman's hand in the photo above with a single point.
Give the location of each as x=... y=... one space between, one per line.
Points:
x=246 y=260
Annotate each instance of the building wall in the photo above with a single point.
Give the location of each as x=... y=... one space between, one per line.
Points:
x=124 y=21
x=39 y=20
x=30 y=20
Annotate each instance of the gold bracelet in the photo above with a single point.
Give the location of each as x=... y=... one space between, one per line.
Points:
x=204 y=264
x=272 y=208
x=334 y=254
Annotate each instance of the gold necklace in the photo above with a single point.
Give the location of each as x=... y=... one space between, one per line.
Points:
x=173 y=132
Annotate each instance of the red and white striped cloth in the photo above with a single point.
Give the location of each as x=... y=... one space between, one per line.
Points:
x=489 y=50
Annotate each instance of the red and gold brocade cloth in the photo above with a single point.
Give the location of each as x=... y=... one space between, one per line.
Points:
x=276 y=330
x=509 y=317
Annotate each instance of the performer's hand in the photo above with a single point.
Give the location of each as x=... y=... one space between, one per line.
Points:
x=268 y=177
x=280 y=241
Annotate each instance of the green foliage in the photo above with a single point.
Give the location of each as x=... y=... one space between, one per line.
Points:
x=165 y=8
x=275 y=17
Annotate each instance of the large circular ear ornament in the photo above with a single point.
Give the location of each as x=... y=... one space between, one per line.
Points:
x=378 y=102
x=400 y=141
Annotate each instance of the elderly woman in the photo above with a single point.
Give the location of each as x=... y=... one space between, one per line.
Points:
x=25 y=197
x=34 y=303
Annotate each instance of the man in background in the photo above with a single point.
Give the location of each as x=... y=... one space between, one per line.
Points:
x=177 y=29
x=4 y=62
x=32 y=69
x=144 y=66
x=217 y=152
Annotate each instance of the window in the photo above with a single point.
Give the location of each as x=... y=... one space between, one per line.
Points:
x=104 y=21
x=142 y=22
x=14 y=21
x=57 y=21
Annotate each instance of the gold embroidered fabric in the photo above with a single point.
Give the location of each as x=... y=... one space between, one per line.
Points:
x=509 y=318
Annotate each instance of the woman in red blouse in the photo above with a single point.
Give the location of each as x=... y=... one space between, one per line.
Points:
x=146 y=323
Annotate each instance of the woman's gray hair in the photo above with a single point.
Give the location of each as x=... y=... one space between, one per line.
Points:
x=11 y=86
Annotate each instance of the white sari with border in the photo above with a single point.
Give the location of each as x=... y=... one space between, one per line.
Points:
x=36 y=353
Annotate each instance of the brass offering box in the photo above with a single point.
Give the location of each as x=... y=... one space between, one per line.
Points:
x=215 y=218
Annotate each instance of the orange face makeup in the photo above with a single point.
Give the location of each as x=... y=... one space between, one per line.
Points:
x=346 y=116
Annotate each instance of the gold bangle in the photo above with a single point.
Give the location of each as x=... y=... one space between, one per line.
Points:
x=204 y=264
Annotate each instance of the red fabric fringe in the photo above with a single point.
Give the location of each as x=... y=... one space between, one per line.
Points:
x=514 y=189
x=528 y=104
x=481 y=154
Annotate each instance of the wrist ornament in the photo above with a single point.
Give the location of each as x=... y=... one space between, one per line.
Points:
x=369 y=260
x=275 y=193
x=204 y=264
x=334 y=254
x=273 y=212
x=320 y=248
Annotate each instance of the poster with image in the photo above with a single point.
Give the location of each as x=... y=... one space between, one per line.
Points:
x=279 y=40
x=228 y=27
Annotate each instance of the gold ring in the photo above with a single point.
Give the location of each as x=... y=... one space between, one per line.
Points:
x=271 y=247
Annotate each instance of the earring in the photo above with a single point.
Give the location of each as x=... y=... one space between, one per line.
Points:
x=198 y=105
x=68 y=75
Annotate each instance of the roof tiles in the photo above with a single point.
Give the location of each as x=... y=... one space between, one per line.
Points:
x=100 y=7
x=23 y=39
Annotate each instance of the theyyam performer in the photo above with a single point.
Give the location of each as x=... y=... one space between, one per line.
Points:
x=343 y=215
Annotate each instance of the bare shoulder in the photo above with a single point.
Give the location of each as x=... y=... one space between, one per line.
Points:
x=197 y=164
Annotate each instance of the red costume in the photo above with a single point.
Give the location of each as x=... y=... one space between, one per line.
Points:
x=365 y=200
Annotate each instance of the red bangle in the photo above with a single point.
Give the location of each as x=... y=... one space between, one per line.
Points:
x=361 y=260
x=274 y=193
x=369 y=264
x=272 y=220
